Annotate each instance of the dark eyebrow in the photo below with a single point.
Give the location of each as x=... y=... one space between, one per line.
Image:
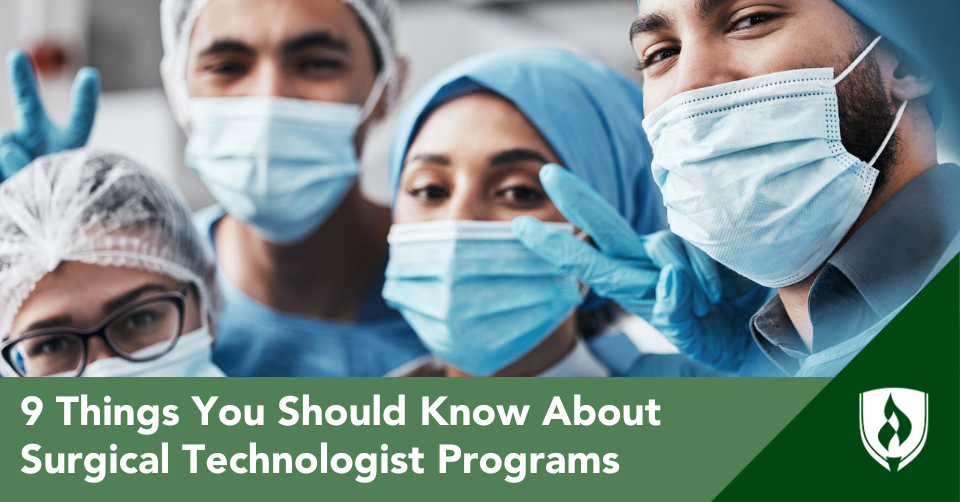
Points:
x=53 y=322
x=65 y=321
x=433 y=158
x=656 y=21
x=224 y=45
x=122 y=300
x=517 y=155
x=651 y=22
x=707 y=7
x=318 y=39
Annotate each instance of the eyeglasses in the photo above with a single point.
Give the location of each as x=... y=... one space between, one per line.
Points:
x=141 y=331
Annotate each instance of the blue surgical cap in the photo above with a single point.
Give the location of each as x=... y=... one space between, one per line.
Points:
x=589 y=114
x=887 y=17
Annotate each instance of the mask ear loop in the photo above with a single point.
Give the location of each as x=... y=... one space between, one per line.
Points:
x=853 y=65
x=376 y=93
x=893 y=129
x=856 y=62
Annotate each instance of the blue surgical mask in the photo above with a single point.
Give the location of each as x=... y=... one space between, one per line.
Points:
x=280 y=165
x=476 y=296
x=753 y=172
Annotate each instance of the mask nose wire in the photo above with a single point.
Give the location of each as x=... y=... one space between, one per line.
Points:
x=853 y=65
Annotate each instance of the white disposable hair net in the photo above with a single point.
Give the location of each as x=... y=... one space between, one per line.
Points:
x=177 y=18
x=97 y=208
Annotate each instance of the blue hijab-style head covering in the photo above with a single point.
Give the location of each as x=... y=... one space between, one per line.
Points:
x=589 y=114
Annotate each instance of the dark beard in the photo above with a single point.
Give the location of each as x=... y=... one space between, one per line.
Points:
x=866 y=116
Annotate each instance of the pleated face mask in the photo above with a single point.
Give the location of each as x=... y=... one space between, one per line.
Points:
x=478 y=299
x=281 y=165
x=753 y=172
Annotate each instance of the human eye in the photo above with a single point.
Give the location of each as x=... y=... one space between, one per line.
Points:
x=314 y=65
x=428 y=192
x=48 y=346
x=141 y=319
x=657 y=55
x=522 y=194
x=752 y=20
x=226 y=67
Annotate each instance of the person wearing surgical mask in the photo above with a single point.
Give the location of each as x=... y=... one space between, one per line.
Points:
x=276 y=99
x=102 y=273
x=465 y=164
x=794 y=143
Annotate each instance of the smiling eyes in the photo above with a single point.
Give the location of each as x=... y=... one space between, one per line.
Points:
x=751 y=20
x=657 y=57
x=740 y=26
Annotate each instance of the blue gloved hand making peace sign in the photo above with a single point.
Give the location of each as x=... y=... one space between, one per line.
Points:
x=36 y=134
x=701 y=306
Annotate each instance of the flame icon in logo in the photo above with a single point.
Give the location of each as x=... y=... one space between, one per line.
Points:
x=896 y=430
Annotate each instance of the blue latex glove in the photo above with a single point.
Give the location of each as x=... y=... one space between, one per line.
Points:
x=702 y=307
x=36 y=134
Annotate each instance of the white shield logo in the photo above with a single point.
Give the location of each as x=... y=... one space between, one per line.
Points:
x=893 y=425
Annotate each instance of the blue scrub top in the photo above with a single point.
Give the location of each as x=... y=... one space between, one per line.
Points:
x=255 y=340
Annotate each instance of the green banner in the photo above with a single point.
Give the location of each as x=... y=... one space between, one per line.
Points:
x=689 y=438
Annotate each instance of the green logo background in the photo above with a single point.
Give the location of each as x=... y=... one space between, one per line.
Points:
x=820 y=455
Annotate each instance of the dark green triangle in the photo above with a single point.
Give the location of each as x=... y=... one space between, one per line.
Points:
x=819 y=456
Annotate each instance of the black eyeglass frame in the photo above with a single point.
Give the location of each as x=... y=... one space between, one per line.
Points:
x=178 y=298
